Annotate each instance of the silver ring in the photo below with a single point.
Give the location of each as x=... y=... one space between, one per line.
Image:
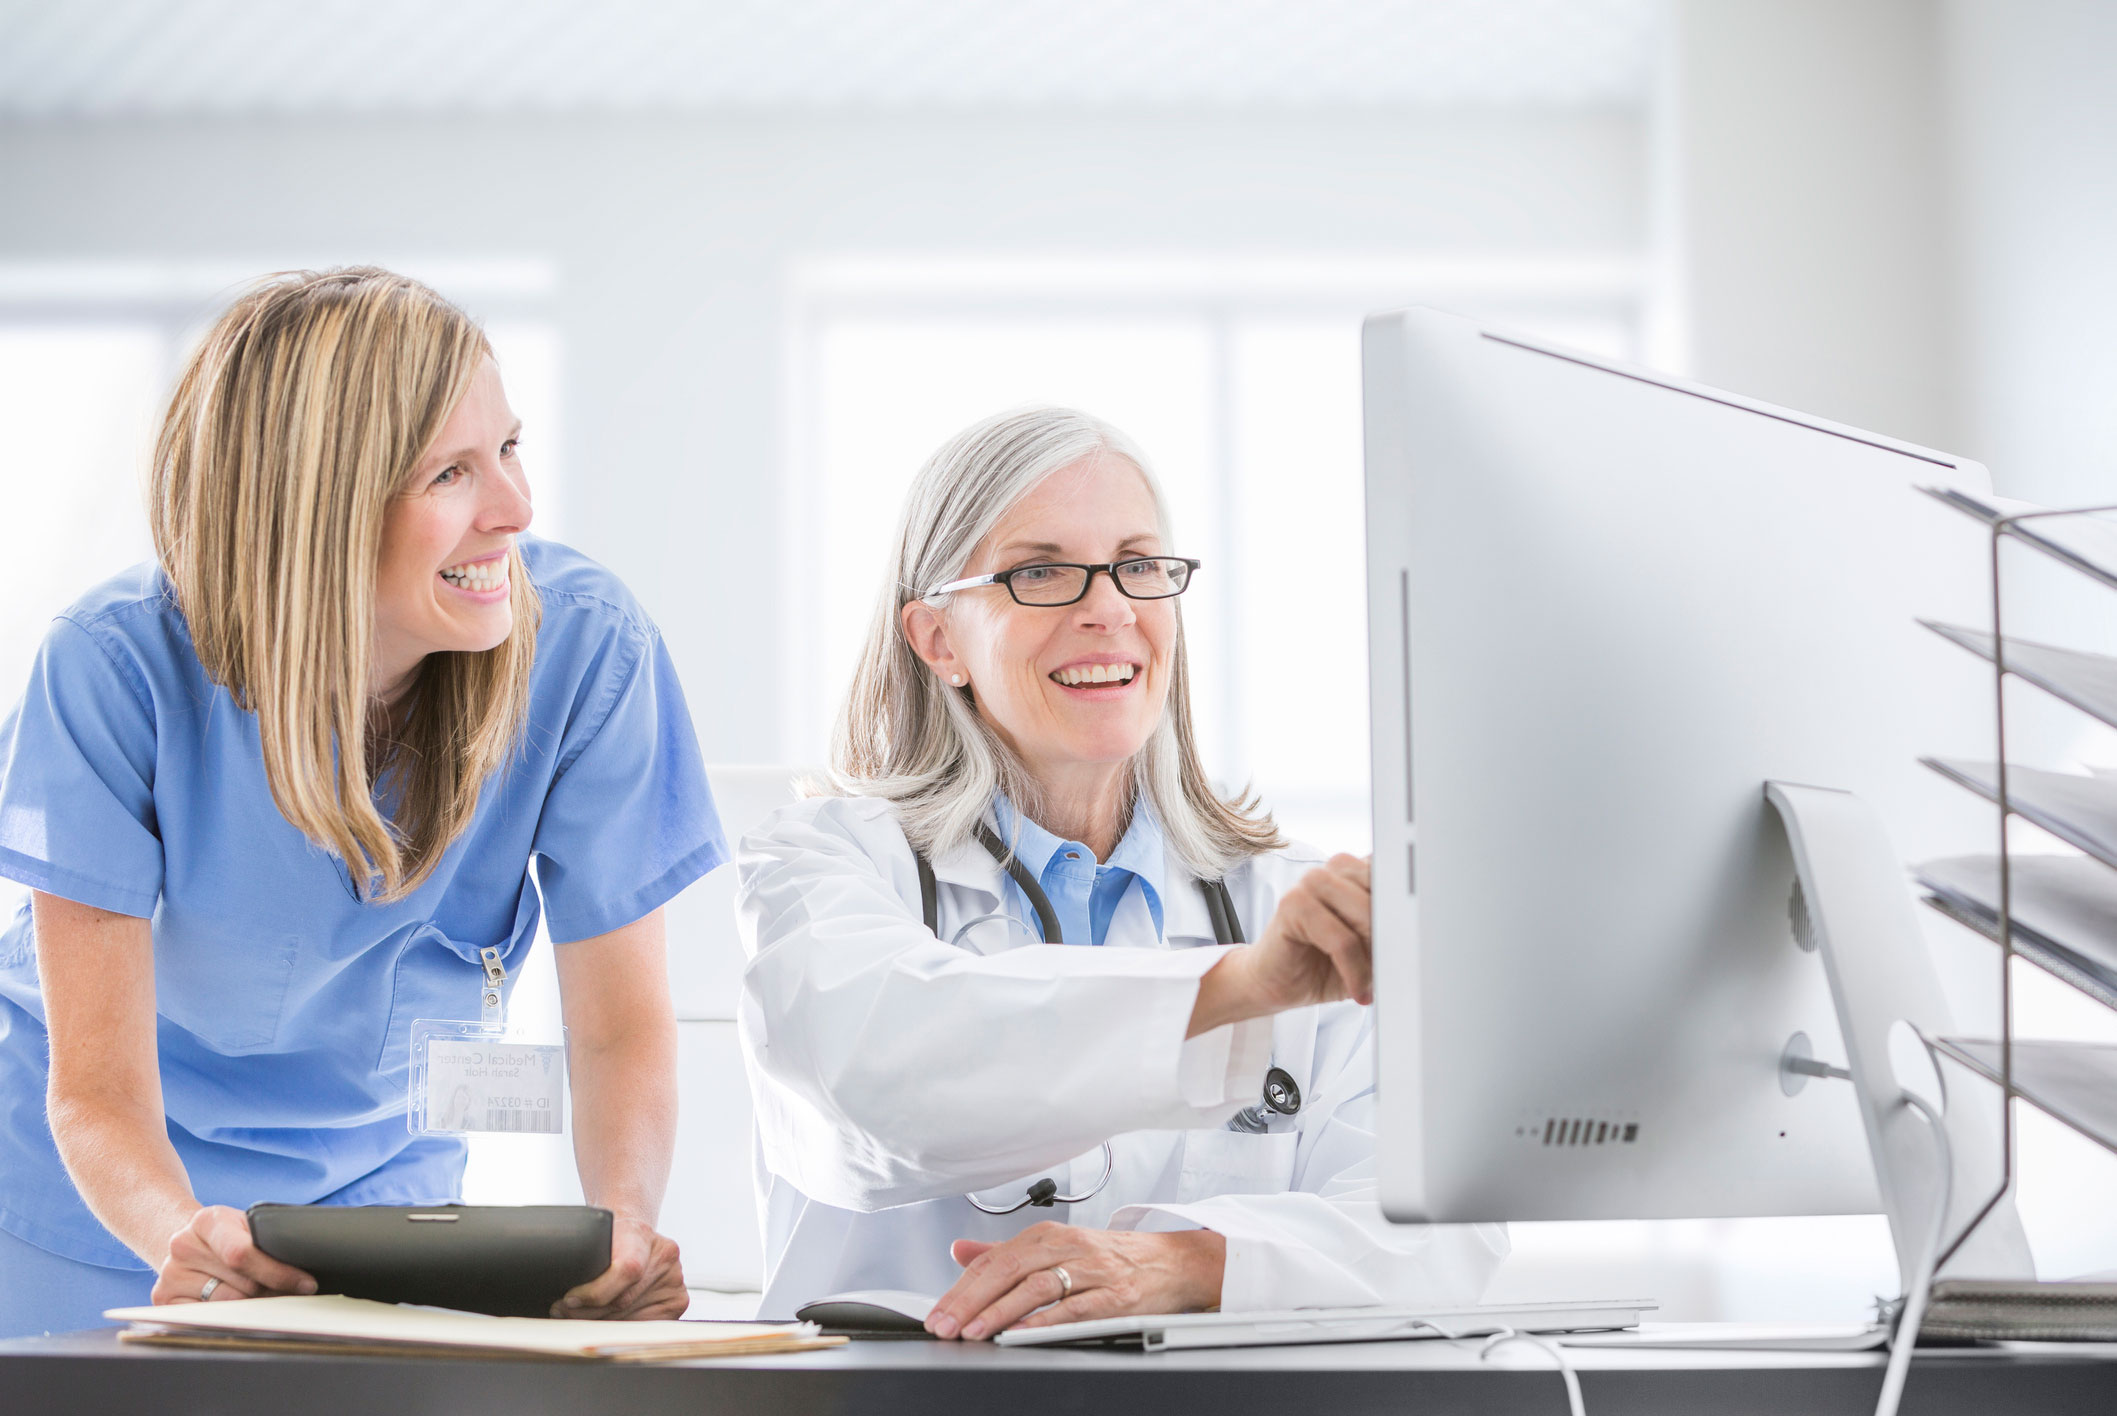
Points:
x=1065 y=1282
x=205 y=1295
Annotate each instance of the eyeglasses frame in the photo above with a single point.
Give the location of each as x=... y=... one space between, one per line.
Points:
x=1005 y=578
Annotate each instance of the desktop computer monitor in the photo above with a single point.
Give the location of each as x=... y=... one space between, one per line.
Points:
x=1605 y=607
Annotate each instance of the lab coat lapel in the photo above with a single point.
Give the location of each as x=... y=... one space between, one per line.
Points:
x=1183 y=906
x=969 y=867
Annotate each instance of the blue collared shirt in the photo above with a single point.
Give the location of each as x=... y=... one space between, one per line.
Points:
x=1085 y=894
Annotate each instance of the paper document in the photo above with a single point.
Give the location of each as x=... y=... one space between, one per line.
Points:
x=332 y=1323
x=2078 y=808
x=2063 y=905
x=2022 y=1310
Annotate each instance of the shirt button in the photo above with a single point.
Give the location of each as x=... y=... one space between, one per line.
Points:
x=1073 y=855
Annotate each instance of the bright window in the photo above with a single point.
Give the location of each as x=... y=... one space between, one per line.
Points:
x=1244 y=392
x=76 y=415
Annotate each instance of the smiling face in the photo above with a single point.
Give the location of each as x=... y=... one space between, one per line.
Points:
x=442 y=582
x=1076 y=689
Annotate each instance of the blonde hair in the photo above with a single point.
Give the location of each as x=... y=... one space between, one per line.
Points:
x=301 y=414
x=905 y=737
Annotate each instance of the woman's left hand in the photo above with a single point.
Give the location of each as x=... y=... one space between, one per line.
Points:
x=645 y=1279
x=1114 y=1272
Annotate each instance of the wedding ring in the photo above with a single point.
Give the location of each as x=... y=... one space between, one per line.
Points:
x=1065 y=1282
x=205 y=1295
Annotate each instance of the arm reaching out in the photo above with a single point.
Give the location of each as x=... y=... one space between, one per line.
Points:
x=892 y=1067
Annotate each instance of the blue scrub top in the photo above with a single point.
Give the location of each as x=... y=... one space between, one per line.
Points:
x=130 y=782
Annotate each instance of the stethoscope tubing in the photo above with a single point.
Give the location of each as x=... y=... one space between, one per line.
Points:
x=1220 y=906
x=1032 y=1198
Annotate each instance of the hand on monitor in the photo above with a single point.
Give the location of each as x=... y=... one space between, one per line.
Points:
x=213 y=1258
x=1318 y=948
x=645 y=1278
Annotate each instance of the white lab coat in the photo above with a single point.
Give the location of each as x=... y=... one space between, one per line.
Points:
x=893 y=1071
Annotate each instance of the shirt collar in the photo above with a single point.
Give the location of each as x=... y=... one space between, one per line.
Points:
x=971 y=867
x=1031 y=843
x=1143 y=850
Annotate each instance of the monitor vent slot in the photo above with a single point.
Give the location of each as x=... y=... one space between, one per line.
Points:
x=1584 y=1131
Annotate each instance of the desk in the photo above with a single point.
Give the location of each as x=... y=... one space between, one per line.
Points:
x=93 y=1372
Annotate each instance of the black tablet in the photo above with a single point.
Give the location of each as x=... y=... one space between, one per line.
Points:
x=513 y=1260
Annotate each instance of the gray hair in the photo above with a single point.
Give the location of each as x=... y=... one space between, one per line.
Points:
x=909 y=739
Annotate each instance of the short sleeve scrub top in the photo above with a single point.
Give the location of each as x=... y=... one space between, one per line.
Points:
x=130 y=782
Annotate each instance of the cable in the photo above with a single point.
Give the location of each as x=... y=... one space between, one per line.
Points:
x=1565 y=1367
x=1907 y=1331
x=1907 y=1328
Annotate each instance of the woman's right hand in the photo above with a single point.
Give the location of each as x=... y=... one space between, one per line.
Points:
x=1318 y=948
x=216 y=1243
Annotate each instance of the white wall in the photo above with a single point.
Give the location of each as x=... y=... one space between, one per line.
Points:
x=1804 y=220
x=673 y=239
x=2033 y=87
x=1902 y=214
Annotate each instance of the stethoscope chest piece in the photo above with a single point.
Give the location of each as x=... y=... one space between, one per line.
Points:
x=1281 y=1092
x=1282 y=1097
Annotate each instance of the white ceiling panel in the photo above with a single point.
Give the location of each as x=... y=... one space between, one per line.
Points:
x=98 y=58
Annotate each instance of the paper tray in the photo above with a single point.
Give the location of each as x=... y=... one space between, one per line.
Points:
x=2087 y=681
x=2064 y=915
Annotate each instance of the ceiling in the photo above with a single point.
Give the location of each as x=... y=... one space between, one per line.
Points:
x=116 y=58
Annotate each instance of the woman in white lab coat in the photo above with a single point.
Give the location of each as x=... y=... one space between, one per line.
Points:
x=949 y=1100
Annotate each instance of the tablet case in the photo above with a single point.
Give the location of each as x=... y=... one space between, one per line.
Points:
x=509 y=1260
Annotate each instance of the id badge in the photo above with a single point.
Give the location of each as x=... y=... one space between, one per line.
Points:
x=480 y=1077
x=484 y=1077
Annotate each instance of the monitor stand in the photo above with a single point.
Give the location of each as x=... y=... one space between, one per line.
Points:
x=1862 y=920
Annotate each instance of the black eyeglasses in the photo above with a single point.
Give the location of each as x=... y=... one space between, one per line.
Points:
x=1060 y=583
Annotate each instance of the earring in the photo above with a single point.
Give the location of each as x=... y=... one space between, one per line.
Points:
x=956 y=679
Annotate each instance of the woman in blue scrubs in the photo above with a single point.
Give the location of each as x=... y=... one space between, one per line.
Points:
x=274 y=793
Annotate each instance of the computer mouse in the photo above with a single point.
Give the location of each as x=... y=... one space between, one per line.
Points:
x=875 y=1310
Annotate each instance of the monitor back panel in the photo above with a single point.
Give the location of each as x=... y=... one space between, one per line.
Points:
x=1604 y=609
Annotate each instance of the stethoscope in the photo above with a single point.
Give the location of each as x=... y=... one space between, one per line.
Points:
x=1282 y=1096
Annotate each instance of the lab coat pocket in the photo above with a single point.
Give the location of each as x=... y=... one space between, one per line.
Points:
x=1235 y=1163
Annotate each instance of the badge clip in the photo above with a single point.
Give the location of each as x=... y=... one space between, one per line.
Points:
x=493 y=1002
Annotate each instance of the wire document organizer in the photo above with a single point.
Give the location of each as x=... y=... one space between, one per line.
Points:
x=2056 y=912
